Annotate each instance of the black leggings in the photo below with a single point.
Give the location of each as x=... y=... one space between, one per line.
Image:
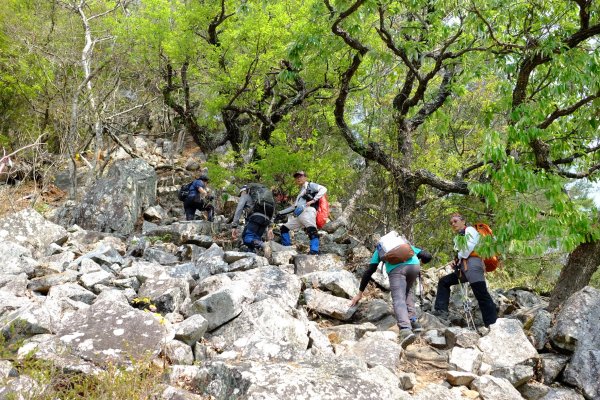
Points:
x=486 y=304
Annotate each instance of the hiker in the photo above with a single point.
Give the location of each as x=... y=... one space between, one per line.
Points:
x=467 y=268
x=258 y=204
x=199 y=199
x=402 y=278
x=304 y=212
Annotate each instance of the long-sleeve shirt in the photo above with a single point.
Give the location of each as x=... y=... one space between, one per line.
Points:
x=465 y=246
x=308 y=187
x=246 y=202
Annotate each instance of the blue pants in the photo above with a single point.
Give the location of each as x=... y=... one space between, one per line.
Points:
x=253 y=232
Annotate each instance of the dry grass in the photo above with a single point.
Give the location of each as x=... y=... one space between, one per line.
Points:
x=24 y=195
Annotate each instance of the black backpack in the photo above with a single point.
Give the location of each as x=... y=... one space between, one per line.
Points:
x=184 y=191
x=264 y=203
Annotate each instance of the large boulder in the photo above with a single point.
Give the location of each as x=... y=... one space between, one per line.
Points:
x=272 y=282
x=311 y=379
x=113 y=331
x=326 y=304
x=506 y=344
x=341 y=283
x=29 y=229
x=576 y=330
x=114 y=203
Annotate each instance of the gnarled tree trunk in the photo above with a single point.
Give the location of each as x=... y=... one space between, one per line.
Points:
x=581 y=265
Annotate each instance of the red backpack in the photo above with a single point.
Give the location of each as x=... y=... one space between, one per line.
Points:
x=491 y=263
x=322 y=212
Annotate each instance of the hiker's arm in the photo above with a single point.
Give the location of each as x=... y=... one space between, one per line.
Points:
x=287 y=210
x=239 y=209
x=321 y=192
x=363 y=283
x=472 y=237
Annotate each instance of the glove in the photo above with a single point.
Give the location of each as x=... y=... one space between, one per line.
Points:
x=279 y=218
x=298 y=211
x=210 y=197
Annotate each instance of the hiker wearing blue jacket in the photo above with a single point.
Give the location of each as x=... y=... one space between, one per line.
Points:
x=402 y=278
x=199 y=199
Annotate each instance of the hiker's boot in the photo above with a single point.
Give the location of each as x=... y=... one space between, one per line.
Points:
x=406 y=337
x=314 y=246
x=416 y=326
x=443 y=314
x=286 y=240
x=210 y=214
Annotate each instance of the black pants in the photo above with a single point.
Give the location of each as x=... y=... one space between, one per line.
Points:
x=191 y=205
x=486 y=304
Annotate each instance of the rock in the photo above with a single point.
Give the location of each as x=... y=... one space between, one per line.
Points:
x=283 y=257
x=538 y=332
x=319 y=342
x=103 y=254
x=340 y=283
x=212 y=261
x=372 y=310
x=576 y=330
x=89 y=281
x=56 y=262
x=155 y=213
x=114 y=203
x=265 y=331
x=167 y=294
x=562 y=393
x=13 y=284
x=525 y=299
x=436 y=392
x=21 y=387
x=506 y=345
x=552 y=365
x=7 y=370
x=533 y=390
x=33 y=319
x=517 y=375
x=29 y=229
x=159 y=256
x=44 y=283
x=131 y=335
x=461 y=337
x=223 y=305
x=177 y=352
x=191 y=329
x=271 y=282
x=305 y=264
x=244 y=264
x=353 y=332
x=16 y=259
x=458 y=378
x=72 y=291
x=374 y=351
x=173 y=393
x=465 y=360
x=434 y=339
x=408 y=380
x=211 y=284
x=429 y=321
x=490 y=387
x=327 y=304
x=311 y=379
x=142 y=271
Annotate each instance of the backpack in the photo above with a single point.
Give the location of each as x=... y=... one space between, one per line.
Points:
x=491 y=263
x=322 y=212
x=264 y=203
x=394 y=249
x=184 y=191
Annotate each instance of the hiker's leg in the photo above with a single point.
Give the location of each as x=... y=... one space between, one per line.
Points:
x=313 y=234
x=252 y=235
x=486 y=303
x=286 y=240
x=398 y=289
x=210 y=212
x=412 y=273
x=189 y=209
x=442 y=297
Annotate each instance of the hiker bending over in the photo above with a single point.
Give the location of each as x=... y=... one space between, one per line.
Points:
x=402 y=278
x=468 y=267
x=199 y=199
x=257 y=202
x=303 y=214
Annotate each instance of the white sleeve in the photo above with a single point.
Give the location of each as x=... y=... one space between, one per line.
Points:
x=472 y=237
x=321 y=191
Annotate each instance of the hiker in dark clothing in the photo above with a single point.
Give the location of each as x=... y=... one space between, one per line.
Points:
x=199 y=199
x=257 y=221
x=402 y=278
x=468 y=267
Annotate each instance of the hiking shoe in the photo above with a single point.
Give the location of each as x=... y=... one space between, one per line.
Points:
x=416 y=327
x=407 y=337
x=440 y=313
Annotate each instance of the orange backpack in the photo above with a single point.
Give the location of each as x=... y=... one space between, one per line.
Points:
x=322 y=212
x=493 y=262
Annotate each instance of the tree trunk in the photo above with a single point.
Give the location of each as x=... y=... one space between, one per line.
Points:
x=581 y=265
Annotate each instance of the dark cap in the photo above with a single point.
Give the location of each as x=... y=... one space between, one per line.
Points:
x=203 y=178
x=299 y=173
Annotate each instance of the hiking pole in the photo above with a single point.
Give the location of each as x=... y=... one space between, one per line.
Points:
x=467 y=307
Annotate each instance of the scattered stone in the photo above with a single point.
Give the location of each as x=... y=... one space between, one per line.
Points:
x=327 y=304
x=458 y=378
x=490 y=387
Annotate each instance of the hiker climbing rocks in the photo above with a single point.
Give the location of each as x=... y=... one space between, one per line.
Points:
x=468 y=267
x=402 y=277
x=304 y=212
x=257 y=202
x=199 y=198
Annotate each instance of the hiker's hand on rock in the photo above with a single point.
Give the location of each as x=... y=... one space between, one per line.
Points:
x=356 y=299
x=234 y=233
